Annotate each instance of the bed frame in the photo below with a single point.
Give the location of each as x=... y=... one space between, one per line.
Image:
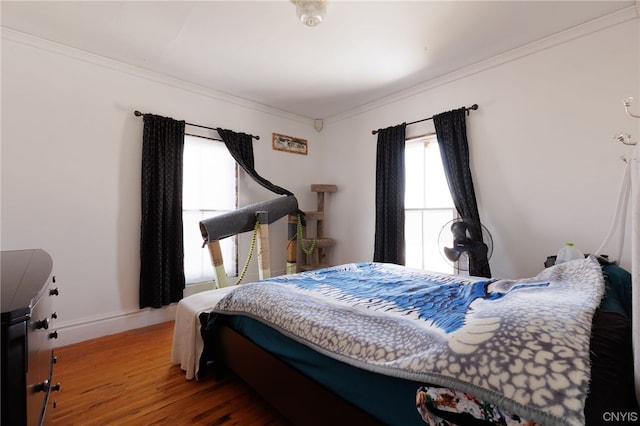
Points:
x=297 y=397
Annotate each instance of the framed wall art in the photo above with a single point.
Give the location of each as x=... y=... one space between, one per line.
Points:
x=289 y=144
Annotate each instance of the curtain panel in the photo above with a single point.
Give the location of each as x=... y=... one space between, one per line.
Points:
x=161 y=244
x=240 y=145
x=451 y=131
x=390 y=188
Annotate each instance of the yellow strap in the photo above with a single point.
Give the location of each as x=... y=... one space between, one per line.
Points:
x=306 y=250
x=251 y=248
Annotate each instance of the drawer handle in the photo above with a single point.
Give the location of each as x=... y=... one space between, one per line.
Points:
x=42 y=324
x=41 y=387
x=53 y=335
x=54 y=292
x=46 y=386
x=54 y=315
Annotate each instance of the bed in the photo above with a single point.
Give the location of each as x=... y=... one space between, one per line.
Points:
x=371 y=343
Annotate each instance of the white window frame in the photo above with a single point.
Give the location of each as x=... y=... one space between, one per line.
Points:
x=229 y=245
x=429 y=255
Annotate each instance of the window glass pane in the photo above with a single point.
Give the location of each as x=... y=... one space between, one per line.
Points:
x=195 y=269
x=436 y=191
x=433 y=221
x=207 y=168
x=415 y=180
x=413 y=238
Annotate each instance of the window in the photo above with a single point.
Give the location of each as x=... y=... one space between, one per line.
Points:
x=209 y=189
x=428 y=204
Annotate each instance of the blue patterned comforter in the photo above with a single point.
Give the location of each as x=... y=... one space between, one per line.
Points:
x=520 y=344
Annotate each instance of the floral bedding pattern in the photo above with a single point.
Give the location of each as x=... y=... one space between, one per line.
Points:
x=431 y=400
x=522 y=345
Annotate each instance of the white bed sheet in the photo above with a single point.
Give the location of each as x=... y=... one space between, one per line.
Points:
x=187 y=342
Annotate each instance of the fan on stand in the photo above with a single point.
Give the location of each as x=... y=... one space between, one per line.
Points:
x=462 y=240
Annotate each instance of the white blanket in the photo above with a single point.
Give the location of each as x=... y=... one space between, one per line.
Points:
x=187 y=341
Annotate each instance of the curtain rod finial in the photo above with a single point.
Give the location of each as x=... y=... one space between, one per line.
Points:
x=472 y=107
x=137 y=113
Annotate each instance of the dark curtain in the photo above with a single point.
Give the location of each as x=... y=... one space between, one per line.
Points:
x=390 y=185
x=451 y=131
x=161 y=245
x=240 y=145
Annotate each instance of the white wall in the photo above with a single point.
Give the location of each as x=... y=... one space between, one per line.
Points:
x=71 y=156
x=545 y=166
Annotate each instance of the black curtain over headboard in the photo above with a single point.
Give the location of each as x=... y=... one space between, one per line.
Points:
x=451 y=131
x=161 y=245
x=390 y=188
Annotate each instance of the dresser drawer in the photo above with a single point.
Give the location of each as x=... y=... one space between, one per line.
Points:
x=28 y=332
x=40 y=336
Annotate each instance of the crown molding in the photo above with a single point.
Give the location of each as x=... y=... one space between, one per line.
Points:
x=616 y=18
x=607 y=21
x=92 y=58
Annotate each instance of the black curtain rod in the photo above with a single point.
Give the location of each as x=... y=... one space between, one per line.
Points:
x=472 y=107
x=203 y=137
x=140 y=114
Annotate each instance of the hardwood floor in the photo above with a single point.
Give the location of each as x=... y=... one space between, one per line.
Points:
x=127 y=379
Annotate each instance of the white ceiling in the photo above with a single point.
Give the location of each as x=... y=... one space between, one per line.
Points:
x=259 y=51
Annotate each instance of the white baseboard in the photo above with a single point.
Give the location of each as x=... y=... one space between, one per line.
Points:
x=92 y=328
x=70 y=333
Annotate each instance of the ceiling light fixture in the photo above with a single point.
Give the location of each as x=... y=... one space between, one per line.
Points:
x=311 y=12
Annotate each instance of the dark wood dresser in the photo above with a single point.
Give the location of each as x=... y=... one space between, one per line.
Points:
x=28 y=291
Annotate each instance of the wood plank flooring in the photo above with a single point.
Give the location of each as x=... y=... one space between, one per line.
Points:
x=127 y=379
